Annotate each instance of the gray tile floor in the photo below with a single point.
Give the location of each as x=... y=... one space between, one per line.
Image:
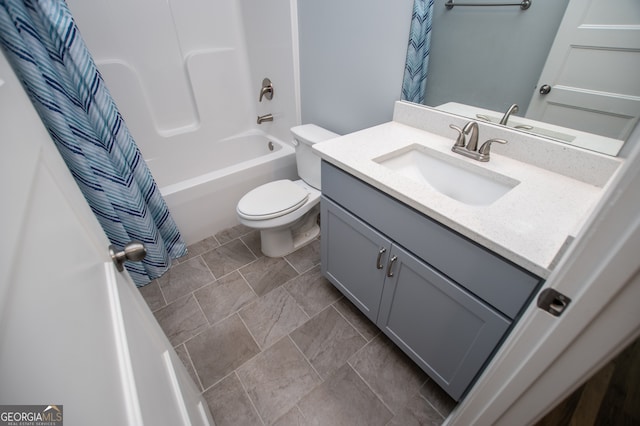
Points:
x=270 y=341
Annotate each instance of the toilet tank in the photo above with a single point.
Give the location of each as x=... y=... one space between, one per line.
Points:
x=307 y=161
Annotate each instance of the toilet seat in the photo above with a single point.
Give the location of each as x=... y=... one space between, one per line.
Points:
x=271 y=200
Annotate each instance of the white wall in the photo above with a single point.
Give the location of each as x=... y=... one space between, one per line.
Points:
x=188 y=72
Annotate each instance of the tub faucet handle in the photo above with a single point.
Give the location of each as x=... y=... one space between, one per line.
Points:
x=266 y=90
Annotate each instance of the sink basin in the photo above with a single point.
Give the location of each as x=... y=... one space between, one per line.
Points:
x=459 y=180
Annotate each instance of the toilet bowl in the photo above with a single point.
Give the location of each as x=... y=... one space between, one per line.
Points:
x=287 y=212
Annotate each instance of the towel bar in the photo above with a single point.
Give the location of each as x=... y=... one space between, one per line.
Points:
x=524 y=4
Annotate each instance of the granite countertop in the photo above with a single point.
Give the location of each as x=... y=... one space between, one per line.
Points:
x=529 y=225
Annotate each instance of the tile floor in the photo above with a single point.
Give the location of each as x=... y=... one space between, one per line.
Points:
x=270 y=341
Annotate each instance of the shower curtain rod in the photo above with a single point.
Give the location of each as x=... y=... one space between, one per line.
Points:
x=524 y=4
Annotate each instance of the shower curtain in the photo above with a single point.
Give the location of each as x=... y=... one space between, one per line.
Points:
x=43 y=44
x=415 y=70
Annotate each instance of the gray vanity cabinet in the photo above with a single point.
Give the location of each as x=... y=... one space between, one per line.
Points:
x=444 y=329
x=356 y=265
x=393 y=264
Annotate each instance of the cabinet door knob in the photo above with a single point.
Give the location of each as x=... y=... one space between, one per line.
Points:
x=390 y=267
x=379 y=260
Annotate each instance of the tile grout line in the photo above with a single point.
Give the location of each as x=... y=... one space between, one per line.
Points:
x=250 y=334
x=193 y=293
x=207 y=265
x=351 y=324
x=257 y=255
x=248 y=284
x=322 y=380
x=164 y=298
x=160 y=287
x=249 y=248
x=393 y=414
x=194 y=367
x=431 y=404
x=244 y=389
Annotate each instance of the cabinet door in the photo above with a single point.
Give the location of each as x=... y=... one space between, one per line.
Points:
x=443 y=328
x=354 y=257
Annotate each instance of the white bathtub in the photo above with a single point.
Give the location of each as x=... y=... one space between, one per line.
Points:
x=202 y=192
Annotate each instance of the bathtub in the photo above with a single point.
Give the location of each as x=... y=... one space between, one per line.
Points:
x=202 y=191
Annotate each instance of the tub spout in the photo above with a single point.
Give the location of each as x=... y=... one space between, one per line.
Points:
x=263 y=118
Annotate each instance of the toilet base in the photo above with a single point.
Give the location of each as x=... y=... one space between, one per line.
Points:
x=283 y=241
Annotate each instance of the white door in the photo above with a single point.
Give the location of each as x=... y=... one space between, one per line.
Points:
x=593 y=70
x=73 y=331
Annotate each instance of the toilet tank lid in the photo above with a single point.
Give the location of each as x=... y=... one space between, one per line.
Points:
x=310 y=134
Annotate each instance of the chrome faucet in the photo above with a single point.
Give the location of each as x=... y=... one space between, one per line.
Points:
x=470 y=149
x=512 y=110
x=266 y=90
x=263 y=118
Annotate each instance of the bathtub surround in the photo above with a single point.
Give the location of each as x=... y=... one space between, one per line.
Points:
x=205 y=201
x=46 y=51
x=188 y=87
x=270 y=341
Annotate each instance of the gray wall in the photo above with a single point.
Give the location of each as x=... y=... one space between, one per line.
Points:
x=490 y=57
x=352 y=55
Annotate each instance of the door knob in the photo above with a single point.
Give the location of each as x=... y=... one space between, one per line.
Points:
x=134 y=251
x=545 y=89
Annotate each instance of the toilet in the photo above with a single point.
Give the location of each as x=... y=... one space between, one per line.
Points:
x=286 y=212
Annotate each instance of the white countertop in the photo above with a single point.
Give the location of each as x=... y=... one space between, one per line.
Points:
x=529 y=225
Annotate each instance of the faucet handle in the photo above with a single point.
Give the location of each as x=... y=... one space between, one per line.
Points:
x=266 y=90
x=460 y=141
x=485 y=149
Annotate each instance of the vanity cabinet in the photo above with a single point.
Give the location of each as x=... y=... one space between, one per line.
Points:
x=445 y=301
x=357 y=254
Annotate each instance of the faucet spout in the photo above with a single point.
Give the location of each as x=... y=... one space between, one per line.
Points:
x=263 y=118
x=512 y=110
x=471 y=150
x=471 y=129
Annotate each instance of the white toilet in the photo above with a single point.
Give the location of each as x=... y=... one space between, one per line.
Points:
x=286 y=212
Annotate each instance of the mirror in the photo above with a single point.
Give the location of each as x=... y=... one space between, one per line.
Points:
x=488 y=58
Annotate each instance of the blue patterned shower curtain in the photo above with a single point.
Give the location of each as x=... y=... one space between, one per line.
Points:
x=415 y=69
x=45 y=49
